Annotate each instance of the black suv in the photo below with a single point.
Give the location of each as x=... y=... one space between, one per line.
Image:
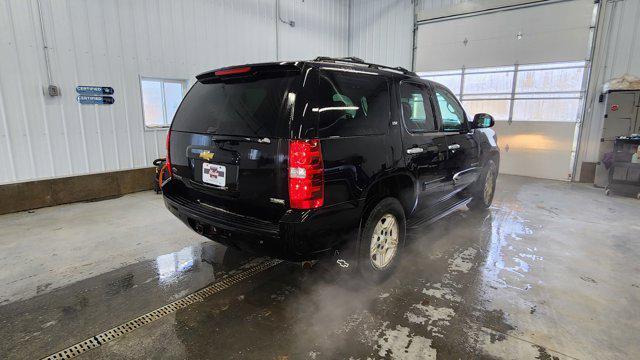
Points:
x=300 y=159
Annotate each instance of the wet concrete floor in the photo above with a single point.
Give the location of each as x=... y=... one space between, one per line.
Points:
x=551 y=271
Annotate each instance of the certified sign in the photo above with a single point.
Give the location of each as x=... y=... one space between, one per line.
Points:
x=95 y=100
x=94 y=90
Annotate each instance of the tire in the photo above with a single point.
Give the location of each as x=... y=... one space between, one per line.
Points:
x=379 y=255
x=484 y=188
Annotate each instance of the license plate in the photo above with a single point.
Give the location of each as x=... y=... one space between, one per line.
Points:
x=214 y=174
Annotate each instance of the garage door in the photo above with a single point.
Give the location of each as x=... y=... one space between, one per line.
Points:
x=527 y=67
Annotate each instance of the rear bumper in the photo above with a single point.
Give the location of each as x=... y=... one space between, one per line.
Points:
x=297 y=236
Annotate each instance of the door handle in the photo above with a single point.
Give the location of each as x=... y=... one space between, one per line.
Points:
x=415 y=150
x=454 y=146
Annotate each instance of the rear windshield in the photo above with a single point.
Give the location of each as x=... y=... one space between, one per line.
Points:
x=250 y=107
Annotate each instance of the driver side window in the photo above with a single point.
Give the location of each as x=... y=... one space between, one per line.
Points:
x=450 y=111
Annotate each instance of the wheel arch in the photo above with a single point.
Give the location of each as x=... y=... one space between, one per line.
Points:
x=401 y=185
x=493 y=154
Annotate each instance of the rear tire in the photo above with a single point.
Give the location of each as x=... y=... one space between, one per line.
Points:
x=382 y=240
x=484 y=188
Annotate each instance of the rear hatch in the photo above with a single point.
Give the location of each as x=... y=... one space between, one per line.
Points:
x=229 y=139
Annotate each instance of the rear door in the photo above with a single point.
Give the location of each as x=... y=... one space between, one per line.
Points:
x=229 y=135
x=463 y=165
x=425 y=147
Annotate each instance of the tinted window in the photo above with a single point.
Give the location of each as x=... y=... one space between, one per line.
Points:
x=246 y=107
x=416 y=108
x=450 y=111
x=351 y=104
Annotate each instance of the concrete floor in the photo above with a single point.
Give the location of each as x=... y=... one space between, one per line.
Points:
x=551 y=271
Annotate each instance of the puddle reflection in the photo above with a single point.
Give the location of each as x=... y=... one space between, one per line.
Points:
x=172 y=267
x=507 y=263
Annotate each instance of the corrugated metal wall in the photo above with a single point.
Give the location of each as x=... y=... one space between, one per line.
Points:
x=381 y=31
x=428 y=5
x=619 y=54
x=113 y=43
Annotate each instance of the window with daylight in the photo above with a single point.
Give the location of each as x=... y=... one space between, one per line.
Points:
x=416 y=108
x=160 y=100
x=540 y=92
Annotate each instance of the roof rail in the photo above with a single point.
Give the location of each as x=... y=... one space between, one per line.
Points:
x=355 y=60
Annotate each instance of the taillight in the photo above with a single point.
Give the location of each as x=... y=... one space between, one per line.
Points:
x=168 y=163
x=306 y=174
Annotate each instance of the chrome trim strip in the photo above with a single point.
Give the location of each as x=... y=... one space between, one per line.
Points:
x=457 y=175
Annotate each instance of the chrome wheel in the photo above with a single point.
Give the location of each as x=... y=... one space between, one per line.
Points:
x=384 y=241
x=488 y=186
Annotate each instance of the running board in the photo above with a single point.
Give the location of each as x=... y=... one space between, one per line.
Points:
x=416 y=222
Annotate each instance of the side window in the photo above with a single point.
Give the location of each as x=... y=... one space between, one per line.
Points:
x=450 y=111
x=160 y=100
x=352 y=104
x=416 y=108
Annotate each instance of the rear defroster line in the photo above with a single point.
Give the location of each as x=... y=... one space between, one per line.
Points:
x=114 y=333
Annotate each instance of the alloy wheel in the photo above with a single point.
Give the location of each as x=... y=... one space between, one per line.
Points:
x=384 y=241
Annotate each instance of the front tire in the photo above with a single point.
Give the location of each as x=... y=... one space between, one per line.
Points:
x=382 y=240
x=485 y=187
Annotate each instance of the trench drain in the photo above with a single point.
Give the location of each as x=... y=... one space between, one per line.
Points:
x=114 y=333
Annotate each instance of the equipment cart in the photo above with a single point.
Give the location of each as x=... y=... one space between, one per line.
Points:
x=624 y=173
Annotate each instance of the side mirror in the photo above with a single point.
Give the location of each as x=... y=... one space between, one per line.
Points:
x=483 y=120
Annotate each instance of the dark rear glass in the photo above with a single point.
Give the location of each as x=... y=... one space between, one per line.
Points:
x=252 y=107
x=416 y=108
x=352 y=104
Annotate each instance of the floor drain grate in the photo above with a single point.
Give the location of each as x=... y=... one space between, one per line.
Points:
x=111 y=334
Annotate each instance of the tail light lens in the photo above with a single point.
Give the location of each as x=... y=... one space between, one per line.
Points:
x=169 y=153
x=306 y=174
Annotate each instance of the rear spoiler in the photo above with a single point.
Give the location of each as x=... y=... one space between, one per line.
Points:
x=244 y=71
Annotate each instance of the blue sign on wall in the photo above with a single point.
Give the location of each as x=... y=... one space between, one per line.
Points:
x=95 y=100
x=94 y=90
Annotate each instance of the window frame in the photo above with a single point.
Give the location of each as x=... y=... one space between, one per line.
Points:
x=463 y=96
x=429 y=98
x=464 y=126
x=166 y=122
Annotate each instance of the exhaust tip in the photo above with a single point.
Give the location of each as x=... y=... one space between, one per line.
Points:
x=199 y=228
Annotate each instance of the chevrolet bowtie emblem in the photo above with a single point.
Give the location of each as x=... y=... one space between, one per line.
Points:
x=206 y=155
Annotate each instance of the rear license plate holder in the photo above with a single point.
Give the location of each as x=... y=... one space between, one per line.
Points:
x=214 y=174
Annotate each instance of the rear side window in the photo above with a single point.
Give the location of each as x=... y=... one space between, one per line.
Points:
x=352 y=104
x=417 y=112
x=251 y=107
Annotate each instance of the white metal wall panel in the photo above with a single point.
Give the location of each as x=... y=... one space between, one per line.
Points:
x=430 y=5
x=381 y=31
x=113 y=43
x=548 y=34
x=313 y=35
x=618 y=54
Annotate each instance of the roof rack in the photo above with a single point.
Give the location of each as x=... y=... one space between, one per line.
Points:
x=355 y=60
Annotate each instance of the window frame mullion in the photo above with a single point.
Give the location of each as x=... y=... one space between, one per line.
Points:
x=164 y=104
x=462 y=74
x=514 y=83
